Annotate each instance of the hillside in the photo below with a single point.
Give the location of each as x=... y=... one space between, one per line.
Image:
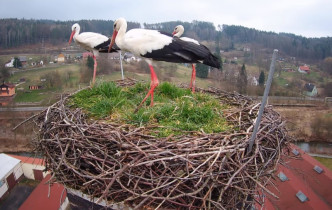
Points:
x=22 y=32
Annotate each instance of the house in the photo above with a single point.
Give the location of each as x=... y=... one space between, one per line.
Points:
x=7 y=90
x=304 y=69
x=35 y=87
x=79 y=56
x=252 y=80
x=23 y=60
x=61 y=58
x=10 y=64
x=129 y=57
x=33 y=168
x=10 y=173
x=301 y=183
x=310 y=89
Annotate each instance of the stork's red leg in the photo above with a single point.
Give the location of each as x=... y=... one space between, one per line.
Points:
x=193 y=79
x=153 y=85
x=94 y=70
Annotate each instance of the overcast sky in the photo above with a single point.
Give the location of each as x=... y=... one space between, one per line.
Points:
x=309 y=18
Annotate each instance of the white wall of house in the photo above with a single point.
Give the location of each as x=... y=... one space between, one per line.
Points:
x=18 y=171
x=10 y=64
x=28 y=170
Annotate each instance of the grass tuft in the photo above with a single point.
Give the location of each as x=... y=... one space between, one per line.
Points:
x=176 y=110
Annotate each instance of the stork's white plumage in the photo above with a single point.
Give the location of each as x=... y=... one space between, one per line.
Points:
x=92 y=42
x=159 y=46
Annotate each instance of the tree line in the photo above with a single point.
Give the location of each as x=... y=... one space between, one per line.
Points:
x=290 y=44
x=20 y=32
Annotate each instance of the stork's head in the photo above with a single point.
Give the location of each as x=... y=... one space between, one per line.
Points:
x=178 y=31
x=119 y=23
x=75 y=29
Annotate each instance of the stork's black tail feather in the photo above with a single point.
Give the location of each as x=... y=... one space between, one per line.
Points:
x=103 y=47
x=212 y=61
x=105 y=50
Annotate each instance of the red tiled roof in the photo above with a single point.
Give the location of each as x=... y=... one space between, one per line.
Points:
x=10 y=85
x=39 y=200
x=304 y=68
x=30 y=160
x=301 y=177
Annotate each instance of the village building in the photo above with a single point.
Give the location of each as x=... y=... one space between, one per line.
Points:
x=7 y=93
x=10 y=173
x=23 y=60
x=310 y=90
x=47 y=195
x=35 y=87
x=33 y=168
x=61 y=58
x=129 y=57
x=252 y=80
x=7 y=90
x=304 y=69
x=301 y=183
x=10 y=64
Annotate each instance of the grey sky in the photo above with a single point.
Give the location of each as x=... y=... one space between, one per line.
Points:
x=310 y=18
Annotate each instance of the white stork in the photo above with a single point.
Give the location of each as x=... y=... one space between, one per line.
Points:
x=92 y=42
x=178 y=31
x=159 y=46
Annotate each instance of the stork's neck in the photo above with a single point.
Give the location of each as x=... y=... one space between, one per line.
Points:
x=120 y=38
x=77 y=32
x=179 y=33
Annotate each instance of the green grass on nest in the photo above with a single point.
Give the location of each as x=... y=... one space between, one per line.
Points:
x=175 y=110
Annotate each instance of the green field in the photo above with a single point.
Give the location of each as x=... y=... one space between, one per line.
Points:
x=68 y=77
x=325 y=161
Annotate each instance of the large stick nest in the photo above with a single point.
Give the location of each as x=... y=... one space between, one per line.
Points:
x=120 y=163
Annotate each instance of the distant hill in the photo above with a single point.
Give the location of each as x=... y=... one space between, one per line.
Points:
x=20 y=32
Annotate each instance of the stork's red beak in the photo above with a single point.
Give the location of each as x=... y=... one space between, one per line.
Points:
x=174 y=32
x=115 y=33
x=71 y=36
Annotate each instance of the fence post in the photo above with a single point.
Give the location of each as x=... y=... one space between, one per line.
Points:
x=121 y=65
x=264 y=99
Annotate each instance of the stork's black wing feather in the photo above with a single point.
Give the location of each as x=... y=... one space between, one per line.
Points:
x=103 y=47
x=180 y=51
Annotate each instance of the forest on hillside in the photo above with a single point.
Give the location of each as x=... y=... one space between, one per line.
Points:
x=20 y=32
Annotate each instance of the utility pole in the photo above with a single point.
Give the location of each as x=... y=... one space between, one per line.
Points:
x=264 y=99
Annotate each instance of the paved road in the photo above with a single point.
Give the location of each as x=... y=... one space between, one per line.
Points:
x=16 y=197
x=319 y=155
x=22 y=109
